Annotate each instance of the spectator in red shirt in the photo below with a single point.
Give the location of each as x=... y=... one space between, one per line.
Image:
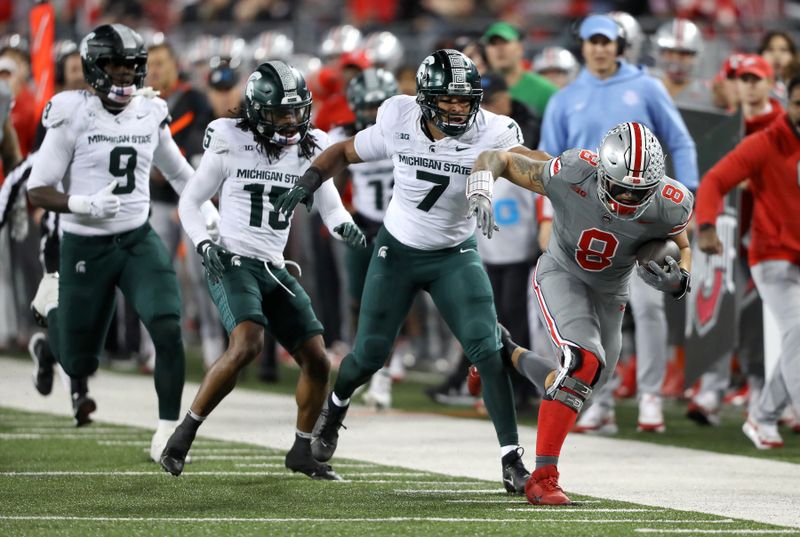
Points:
x=754 y=81
x=15 y=71
x=768 y=159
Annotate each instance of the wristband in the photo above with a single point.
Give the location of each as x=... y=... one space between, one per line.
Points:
x=79 y=204
x=311 y=180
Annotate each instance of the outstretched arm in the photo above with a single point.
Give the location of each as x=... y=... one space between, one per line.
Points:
x=517 y=168
x=331 y=162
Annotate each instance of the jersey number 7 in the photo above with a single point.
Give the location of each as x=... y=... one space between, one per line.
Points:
x=442 y=181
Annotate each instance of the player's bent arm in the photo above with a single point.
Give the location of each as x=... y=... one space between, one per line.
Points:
x=535 y=154
x=199 y=190
x=330 y=206
x=49 y=167
x=520 y=170
x=170 y=161
x=682 y=240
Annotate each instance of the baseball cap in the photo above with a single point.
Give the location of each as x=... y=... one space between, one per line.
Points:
x=223 y=77
x=502 y=30
x=599 y=25
x=753 y=64
x=493 y=83
x=7 y=64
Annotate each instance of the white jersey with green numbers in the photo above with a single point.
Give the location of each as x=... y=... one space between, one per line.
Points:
x=372 y=182
x=248 y=185
x=429 y=205
x=93 y=147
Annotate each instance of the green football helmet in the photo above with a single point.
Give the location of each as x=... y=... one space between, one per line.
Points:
x=277 y=103
x=448 y=72
x=366 y=93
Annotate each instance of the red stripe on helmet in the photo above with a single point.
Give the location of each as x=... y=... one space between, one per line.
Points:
x=637 y=149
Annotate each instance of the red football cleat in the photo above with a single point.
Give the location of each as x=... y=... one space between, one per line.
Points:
x=542 y=488
x=474 y=382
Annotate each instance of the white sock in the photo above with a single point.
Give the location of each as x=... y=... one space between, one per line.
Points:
x=339 y=402
x=167 y=425
x=301 y=434
x=505 y=450
x=196 y=417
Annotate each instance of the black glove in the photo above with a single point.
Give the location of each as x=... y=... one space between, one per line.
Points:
x=351 y=234
x=674 y=280
x=302 y=191
x=212 y=261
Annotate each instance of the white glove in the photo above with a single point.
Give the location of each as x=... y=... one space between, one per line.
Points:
x=481 y=207
x=101 y=204
x=212 y=219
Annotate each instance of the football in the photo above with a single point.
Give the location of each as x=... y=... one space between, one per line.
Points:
x=657 y=250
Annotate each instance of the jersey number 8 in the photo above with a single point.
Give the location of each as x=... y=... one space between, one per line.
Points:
x=596 y=249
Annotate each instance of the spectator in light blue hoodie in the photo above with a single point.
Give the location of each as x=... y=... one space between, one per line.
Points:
x=609 y=91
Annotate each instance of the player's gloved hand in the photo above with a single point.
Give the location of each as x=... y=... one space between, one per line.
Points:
x=211 y=218
x=674 y=280
x=351 y=234
x=302 y=191
x=481 y=207
x=212 y=259
x=101 y=204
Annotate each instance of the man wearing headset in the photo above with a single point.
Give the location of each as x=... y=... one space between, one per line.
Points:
x=609 y=91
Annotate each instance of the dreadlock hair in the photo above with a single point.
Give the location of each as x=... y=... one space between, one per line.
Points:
x=305 y=149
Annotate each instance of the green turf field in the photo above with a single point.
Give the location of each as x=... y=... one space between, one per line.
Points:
x=98 y=480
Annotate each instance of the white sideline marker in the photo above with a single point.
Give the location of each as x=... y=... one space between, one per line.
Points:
x=347 y=520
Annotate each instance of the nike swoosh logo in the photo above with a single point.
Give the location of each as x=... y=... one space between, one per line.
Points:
x=461 y=148
x=465 y=250
x=141 y=116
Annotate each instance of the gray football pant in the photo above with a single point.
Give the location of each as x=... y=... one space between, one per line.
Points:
x=650 y=337
x=576 y=314
x=778 y=283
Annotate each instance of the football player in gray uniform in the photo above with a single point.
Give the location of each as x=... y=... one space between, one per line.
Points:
x=606 y=205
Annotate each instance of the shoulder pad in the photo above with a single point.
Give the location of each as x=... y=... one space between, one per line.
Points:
x=336 y=134
x=215 y=138
x=63 y=108
x=574 y=165
x=676 y=204
x=504 y=132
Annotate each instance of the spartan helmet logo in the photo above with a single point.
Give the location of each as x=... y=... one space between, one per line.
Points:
x=383 y=251
x=80 y=267
x=236 y=261
x=250 y=89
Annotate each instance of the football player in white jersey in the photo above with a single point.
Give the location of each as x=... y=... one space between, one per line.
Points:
x=251 y=161
x=425 y=243
x=372 y=190
x=605 y=207
x=102 y=143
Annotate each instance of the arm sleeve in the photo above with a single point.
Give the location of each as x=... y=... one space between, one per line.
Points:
x=544 y=209
x=58 y=145
x=553 y=138
x=671 y=129
x=169 y=160
x=741 y=163
x=205 y=183
x=330 y=206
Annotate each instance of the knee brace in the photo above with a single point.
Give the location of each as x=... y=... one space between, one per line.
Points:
x=579 y=372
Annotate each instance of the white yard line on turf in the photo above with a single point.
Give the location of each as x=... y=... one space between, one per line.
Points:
x=568 y=509
x=280 y=465
x=349 y=520
x=512 y=501
x=645 y=473
x=697 y=531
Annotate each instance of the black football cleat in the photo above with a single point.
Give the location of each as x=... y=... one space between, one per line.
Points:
x=508 y=346
x=515 y=476
x=43 y=362
x=82 y=406
x=174 y=455
x=299 y=459
x=326 y=431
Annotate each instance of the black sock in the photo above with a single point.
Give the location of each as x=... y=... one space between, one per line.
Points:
x=79 y=387
x=190 y=423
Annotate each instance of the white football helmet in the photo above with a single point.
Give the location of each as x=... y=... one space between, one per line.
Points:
x=338 y=40
x=384 y=50
x=555 y=58
x=678 y=35
x=271 y=46
x=634 y=36
x=630 y=168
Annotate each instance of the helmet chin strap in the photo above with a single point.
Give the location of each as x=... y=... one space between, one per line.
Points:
x=121 y=94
